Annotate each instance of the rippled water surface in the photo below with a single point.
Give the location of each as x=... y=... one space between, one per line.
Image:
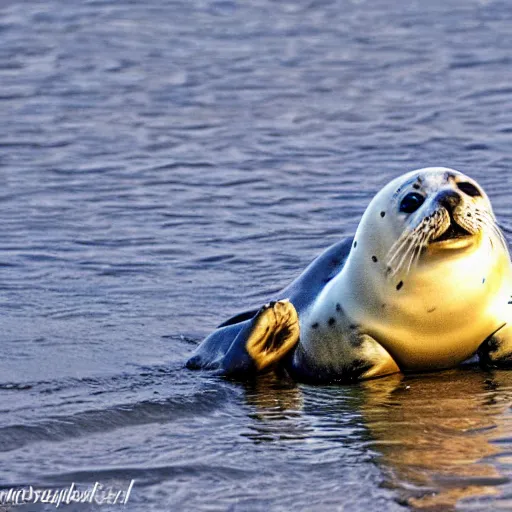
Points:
x=165 y=164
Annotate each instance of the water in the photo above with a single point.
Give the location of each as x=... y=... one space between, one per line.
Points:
x=166 y=164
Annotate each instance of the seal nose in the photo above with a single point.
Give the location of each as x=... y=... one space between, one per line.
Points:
x=450 y=199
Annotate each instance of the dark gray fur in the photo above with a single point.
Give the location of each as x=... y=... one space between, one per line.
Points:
x=224 y=349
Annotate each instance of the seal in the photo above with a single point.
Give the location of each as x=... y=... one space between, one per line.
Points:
x=425 y=284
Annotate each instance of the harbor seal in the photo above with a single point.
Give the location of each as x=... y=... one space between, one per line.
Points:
x=424 y=284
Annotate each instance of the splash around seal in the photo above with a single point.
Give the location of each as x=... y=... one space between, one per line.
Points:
x=425 y=284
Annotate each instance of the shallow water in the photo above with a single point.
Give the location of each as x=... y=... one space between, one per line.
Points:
x=163 y=166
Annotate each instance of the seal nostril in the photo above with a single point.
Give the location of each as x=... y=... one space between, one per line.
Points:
x=469 y=189
x=448 y=198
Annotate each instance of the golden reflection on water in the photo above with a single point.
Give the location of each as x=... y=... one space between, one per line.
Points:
x=278 y=410
x=435 y=432
x=432 y=434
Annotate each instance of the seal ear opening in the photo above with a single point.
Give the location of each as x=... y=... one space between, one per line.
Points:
x=275 y=331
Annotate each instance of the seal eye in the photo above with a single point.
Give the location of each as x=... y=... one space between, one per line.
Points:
x=469 y=189
x=411 y=202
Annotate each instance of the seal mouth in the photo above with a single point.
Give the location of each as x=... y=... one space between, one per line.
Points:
x=453 y=233
x=455 y=237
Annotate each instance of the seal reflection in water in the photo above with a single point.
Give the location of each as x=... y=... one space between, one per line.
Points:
x=425 y=284
x=442 y=437
x=438 y=438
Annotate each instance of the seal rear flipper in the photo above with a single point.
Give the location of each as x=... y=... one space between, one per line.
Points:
x=496 y=350
x=264 y=341
x=209 y=354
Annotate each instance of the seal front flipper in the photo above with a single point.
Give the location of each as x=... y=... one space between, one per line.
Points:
x=264 y=341
x=496 y=350
x=346 y=357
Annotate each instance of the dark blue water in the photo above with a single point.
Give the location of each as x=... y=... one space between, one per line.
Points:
x=166 y=164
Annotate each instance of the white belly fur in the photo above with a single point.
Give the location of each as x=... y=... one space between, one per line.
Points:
x=437 y=319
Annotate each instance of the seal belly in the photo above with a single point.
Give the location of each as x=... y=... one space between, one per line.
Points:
x=448 y=332
x=416 y=351
x=437 y=328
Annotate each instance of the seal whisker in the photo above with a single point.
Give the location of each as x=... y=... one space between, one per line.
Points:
x=407 y=246
x=395 y=268
x=399 y=255
x=409 y=251
x=424 y=236
x=500 y=236
x=409 y=256
x=399 y=245
x=488 y=221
